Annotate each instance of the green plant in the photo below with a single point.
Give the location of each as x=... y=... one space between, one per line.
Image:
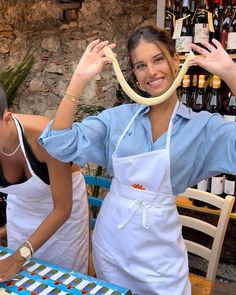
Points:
x=85 y=110
x=12 y=77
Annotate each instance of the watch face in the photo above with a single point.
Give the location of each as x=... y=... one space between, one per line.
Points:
x=25 y=252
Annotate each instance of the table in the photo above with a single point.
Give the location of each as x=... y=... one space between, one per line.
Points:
x=40 y=277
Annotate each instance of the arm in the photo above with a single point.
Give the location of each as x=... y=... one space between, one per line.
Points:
x=216 y=60
x=61 y=188
x=91 y=64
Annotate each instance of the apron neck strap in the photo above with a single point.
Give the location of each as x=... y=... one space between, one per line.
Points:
x=168 y=137
x=127 y=128
x=19 y=128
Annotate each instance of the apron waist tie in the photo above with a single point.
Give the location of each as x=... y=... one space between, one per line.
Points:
x=134 y=207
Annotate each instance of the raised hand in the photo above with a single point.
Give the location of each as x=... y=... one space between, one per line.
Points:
x=217 y=61
x=213 y=58
x=93 y=60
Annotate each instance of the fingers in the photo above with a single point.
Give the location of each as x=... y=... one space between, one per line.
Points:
x=208 y=46
x=112 y=45
x=217 y=43
x=197 y=61
x=197 y=48
x=91 y=45
x=106 y=60
x=96 y=46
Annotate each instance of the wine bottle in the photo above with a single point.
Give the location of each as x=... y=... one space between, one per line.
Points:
x=169 y=18
x=203 y=186
x=213 y=101
x=198 y=99
x=231 y=42
x=216 y=17
x=221 y=8
x=230 y=108
x=177 y=9
x=183 y=41
x=208 y=90
x=217 y=187
x=192 y=10
x=193 y=89
x=185 y=94
x=201 y=26
x=230 y=187
x=225 y=23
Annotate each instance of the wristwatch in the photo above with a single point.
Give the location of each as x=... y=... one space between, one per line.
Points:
x=25 y=252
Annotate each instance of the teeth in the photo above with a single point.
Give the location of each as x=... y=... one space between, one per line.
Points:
x=156 y=82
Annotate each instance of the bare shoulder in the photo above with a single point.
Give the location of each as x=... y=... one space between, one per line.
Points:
x=33 y=126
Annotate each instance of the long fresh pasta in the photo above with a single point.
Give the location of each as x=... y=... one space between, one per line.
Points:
x=138 y=98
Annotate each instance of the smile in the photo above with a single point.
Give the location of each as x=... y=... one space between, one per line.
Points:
x=155 y=82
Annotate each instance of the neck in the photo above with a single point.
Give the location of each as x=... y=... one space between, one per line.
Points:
x=166 y=107
x=12 y=144
x=160 y=117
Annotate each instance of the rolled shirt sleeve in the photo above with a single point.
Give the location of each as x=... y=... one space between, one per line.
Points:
x=83 y=142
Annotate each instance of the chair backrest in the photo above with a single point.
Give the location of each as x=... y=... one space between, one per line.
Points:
x=99 y=182
x=217 y=232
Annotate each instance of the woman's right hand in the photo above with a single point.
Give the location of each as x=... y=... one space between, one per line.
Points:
x=10 y=266
x=92 y=61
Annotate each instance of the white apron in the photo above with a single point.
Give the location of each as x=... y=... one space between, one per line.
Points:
x=137 y=240
x=29 y=203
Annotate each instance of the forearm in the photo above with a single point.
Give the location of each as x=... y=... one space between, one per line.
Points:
x=47 y=228
x=65 y=114
x=90 y=64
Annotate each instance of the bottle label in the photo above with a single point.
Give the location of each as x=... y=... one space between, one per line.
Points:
x=202 y=185
x=185 y=3
x=231 y=43
x=183 y=43
x=229 y=187
x=217 y=185
x=201 y=32
x=210 y=22
x=230 y=118
x=178 y=28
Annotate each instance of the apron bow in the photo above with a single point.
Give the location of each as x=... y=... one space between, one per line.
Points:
x=134 y=207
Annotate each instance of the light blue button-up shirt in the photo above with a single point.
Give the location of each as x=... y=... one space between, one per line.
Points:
x=202 y=144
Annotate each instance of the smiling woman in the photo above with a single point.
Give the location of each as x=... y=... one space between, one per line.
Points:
x=139 y=68
x=152 y=153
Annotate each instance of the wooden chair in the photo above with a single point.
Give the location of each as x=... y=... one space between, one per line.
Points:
x=204 y=285
x=96 y=201
x=98 y=183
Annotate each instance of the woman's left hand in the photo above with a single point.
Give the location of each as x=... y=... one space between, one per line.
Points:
x=213 y=58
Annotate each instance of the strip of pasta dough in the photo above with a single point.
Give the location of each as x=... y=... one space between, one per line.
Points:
x=138 y=98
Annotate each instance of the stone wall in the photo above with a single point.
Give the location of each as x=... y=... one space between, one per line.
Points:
x=59 y=31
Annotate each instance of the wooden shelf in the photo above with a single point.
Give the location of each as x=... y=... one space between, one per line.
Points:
x=187 y=204
x=183 y=57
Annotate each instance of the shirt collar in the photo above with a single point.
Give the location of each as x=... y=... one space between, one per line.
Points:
x=182 y=111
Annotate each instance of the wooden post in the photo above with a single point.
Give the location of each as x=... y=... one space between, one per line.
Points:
x=161 y=7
